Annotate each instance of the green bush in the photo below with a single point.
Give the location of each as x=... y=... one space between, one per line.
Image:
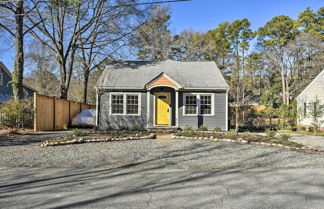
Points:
x=110 y=128
x=217 y=129
x=270 y=133
x=248 y=133
x=311 y=129
x=231 y=132
x=136 y=128
x=77 y=132
x=202 y=128
x=188 y=128
x=285 y=136
x=17 y=114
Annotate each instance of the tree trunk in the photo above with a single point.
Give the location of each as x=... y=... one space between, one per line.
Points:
x=237 y=119
x=85 y=84
x=283 y=83
x=17 y=75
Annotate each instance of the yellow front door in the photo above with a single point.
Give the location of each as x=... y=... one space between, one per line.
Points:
x=162 y=108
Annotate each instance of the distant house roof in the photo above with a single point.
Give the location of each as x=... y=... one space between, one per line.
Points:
x=138 y=74
x=319 y=78
x=10 y=75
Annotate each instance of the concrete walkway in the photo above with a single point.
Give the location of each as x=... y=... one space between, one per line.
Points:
x=309 y=140
x=161 y=188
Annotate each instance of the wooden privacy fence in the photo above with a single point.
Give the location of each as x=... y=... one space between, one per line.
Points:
x=55 y=114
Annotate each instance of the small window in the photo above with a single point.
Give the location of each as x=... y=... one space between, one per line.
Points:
x=305 y=109
x=315 y=109
x=205 y=104
x=191 y=104
x=132 y=104
x=117 y=104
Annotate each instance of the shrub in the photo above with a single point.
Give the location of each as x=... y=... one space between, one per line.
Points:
x=136 y=128
x=310 y=129
x=270 y=133
x=123 y=128
x=188 y=128
x=248 y=133
x=202 y=128
x=285 y=136
x=17 y=114
x=77 y=132
x=110 y=128
x=231 y=132
x=302 y=128
x=217 y=129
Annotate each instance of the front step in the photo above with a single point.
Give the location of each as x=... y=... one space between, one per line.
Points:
x=163 y=129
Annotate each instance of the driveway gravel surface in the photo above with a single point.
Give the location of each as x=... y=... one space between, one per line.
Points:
x=178 y=154
x=160 y=173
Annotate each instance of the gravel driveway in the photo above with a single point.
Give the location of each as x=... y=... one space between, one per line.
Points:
x=178 y=154
x=309 y=140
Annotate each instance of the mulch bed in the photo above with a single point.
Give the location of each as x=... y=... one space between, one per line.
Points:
x=241 y=138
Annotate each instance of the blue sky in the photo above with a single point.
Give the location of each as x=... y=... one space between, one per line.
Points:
x=203 y=15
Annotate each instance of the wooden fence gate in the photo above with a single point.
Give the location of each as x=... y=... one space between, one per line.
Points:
x=55 y=114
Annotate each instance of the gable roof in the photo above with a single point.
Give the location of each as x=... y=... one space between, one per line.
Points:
x=10 y=75
x=163 y=79
x=319 y=76
x=137 y=74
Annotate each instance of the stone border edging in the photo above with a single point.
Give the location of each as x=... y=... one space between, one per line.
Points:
x=242 y=141
x=83 y=140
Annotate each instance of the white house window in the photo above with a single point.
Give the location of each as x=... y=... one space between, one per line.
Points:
x=132 y=104
x=190 y=104
x=198 y=104
x=305 y=109
x=125 y=104
x=205 y=104
x=117 y=104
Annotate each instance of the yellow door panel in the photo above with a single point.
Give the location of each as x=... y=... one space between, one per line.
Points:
x=162 y=108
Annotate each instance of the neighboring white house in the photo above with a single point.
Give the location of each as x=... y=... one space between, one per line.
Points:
x=311 y=97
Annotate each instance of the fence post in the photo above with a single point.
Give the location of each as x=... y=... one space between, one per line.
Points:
x=54 y=109
x=35 y=112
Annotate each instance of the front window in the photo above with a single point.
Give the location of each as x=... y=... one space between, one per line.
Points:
x=117 y=104
x=205 y=104
x=198 y=104
x=191 y=104
x=125 y=104
x=132 y=104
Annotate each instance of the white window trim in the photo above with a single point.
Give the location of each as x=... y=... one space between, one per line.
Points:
x=125 y=103
x=199 y=104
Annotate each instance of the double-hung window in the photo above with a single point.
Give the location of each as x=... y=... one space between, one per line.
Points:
x=191 y=105
x=198 y=104
x=125 y=104
x=205 y=104
x=117 y=104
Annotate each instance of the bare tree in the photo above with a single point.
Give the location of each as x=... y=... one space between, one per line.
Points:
x=12 y=15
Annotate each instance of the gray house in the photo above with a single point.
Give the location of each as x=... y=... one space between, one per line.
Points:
x=5 y=85
x=162 y=94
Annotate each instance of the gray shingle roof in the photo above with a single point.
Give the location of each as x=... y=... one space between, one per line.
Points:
x=136 y=74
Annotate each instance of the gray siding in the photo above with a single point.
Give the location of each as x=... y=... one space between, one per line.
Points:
x=117 y=121
x=218 y=120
